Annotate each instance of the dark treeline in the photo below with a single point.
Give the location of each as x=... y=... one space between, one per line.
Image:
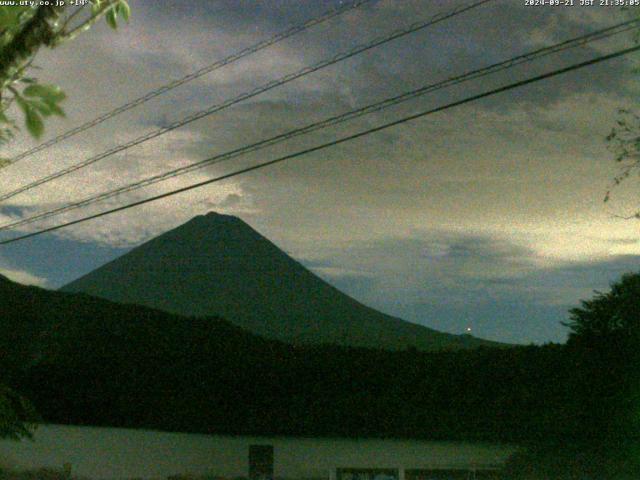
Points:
x=86 y=361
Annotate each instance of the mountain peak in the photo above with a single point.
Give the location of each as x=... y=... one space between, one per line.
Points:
x=218 y=265
x=214 y=217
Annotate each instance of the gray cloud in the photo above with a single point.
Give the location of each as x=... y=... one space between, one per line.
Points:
x=515 y=181
x=499 y=289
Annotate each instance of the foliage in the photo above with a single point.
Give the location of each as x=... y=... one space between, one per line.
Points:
x=568 y=461
x=624 y=143
x=38 y=474
x=88 y=361
x=37 y=101
x=17 y=415
x=605 y=394
x=615 y=313
x=624 y=139
x=23 y=31
x=605 y=337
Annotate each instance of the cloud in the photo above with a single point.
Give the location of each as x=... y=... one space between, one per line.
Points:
x=449 y=281
x=329 y=270
x=475 y=204
x=23 y=277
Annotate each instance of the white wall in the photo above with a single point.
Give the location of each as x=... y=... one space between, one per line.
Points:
x=123 y=453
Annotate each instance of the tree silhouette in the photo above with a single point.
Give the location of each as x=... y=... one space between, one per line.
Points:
x=603 y=344
x=609 y=317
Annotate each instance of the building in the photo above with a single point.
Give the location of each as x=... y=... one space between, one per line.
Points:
x=111 y=453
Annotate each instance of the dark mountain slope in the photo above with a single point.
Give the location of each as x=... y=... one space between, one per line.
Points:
x=84 y=360
x=218 y=265
x=35 y=321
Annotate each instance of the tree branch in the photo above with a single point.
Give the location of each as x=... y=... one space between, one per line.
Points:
x=87 y=23
x=36 y=32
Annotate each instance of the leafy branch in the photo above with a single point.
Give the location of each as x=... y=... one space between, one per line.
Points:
x=624 y=139
x=23 y=31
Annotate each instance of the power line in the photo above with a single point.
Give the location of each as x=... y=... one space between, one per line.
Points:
x=245 y=96
x=338 y=141
x=188 y=78
x=371 y=108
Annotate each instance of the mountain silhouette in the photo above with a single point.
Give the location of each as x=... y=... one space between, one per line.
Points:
x=84 y=360
x=217 y=265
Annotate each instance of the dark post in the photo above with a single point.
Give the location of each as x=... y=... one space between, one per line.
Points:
x=260 y=462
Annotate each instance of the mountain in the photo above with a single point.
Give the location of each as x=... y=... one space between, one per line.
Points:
x=218 y=265
x=88 y=361
x=35 y=322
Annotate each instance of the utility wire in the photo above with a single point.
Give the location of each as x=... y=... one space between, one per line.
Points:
x=371 y=108
x=338 y=141
x=188 y=78
x=253 y=93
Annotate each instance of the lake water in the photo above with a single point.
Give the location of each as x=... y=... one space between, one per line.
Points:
x=111 y=453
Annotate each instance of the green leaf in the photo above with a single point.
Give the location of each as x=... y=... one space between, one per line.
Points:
x=124 y=10
x=41 y=107
x=48 y=93
x=111 y=18
x=32 y=119
x=56 y=110
x=12 y=16
x=34 y=122
x=96 y=5
x=22 y=104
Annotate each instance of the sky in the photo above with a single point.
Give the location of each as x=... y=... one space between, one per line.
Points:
x=488 y=216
